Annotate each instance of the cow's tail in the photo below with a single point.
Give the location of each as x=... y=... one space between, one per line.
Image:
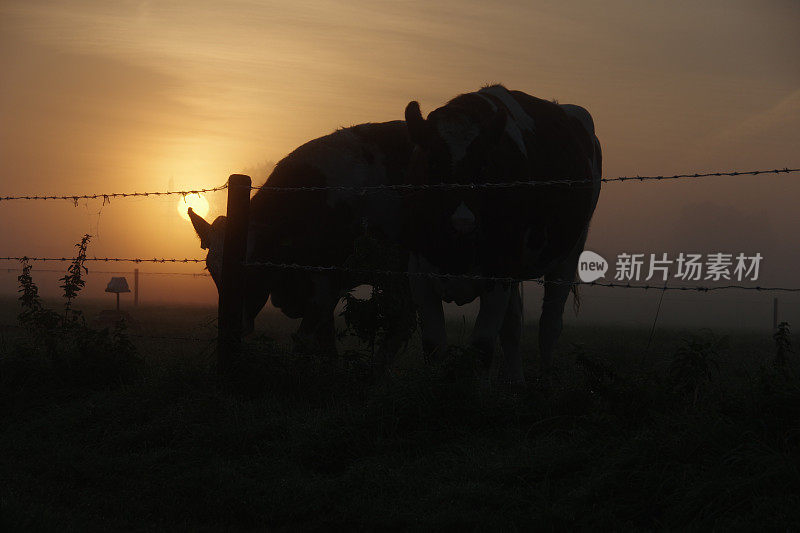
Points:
x=576 y=296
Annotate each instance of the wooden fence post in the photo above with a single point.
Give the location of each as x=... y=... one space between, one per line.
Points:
x=232 y=288
x=135 y=287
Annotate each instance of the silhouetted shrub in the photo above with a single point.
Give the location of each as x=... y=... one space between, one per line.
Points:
x=783 y=344
x=60 y=351
x=696 y=362
x=387 y=319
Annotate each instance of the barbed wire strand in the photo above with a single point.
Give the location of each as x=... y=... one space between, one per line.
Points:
x=470 y=277
x=171 y=337
x=137 y=335
x=141 y=273
x=108 y=259
x=106 y=197
x=407 y=187
x=512 y=184
x=431 y=275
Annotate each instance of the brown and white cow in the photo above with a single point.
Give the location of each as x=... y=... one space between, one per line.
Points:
x=499 y=136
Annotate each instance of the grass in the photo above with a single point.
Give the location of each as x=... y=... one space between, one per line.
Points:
x=618 y=439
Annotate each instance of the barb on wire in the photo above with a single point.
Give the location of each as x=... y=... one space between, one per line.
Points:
x=510 y=184
x=106 y=197
x=471 y=277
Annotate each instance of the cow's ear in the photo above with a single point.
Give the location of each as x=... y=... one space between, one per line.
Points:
x=418 y=128
x=202 y=228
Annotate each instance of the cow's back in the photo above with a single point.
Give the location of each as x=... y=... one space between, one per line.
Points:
x=319 y=227
x=320 y=224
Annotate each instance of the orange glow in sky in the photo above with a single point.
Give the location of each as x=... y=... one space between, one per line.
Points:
x=196 y=201
x=104 y=96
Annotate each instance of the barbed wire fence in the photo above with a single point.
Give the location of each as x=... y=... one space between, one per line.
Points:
x=141 y=273
x=366 y=189
x=106 y=197
x=108 y=259
x=515 y=183
x=400 y=273
x=136 y=335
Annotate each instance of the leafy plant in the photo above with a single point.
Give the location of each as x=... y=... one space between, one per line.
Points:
x=600 y=376
x=387 y=319
x=695 y=361
x=63 y=343
x=34 y=314
x=73 y=281
x=783 y=344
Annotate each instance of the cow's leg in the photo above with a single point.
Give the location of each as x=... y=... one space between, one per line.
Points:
x=555 y=296
x=317 y=333
x=325 y=334
x=556 y=291
x=510 y=334
x=400 y=325
x=494 y=304
x=255 y=299
x=303 y=340
x=431 y=317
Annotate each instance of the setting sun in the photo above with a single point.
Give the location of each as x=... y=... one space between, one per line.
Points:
x=196 y=202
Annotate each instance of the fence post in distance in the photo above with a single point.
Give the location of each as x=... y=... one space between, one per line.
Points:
x=232 y=288
x=775 y=314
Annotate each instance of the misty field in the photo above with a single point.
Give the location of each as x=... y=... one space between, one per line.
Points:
x=700 y=431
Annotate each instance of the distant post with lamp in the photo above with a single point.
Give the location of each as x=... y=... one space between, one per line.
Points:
x=118 y=286
x=109 y=317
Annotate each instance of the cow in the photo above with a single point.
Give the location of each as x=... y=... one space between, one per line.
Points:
x=497 y=136
x=317 y=227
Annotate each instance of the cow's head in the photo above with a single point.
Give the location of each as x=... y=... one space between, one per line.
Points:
x=454 y=145
x=212 y=238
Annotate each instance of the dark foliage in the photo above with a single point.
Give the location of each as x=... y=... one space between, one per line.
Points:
x=696 y=363
x=707 y=438
x=61 y=352
x=73 y=281
x=783 y=344
x=388 y=318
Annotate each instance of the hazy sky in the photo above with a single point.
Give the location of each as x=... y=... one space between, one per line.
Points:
x=101 y=96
